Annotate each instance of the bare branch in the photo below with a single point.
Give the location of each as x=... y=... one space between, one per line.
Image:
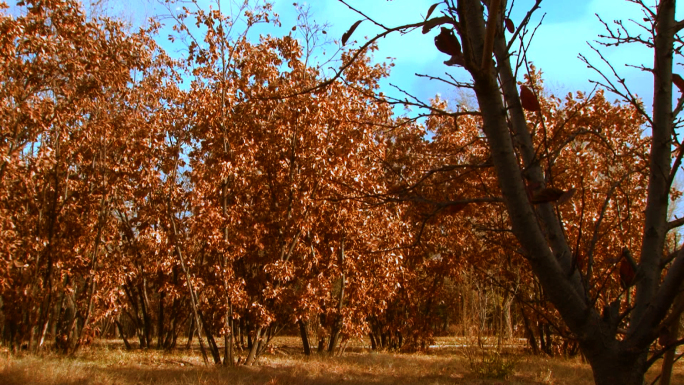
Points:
x=523 y=24
x=364 y=15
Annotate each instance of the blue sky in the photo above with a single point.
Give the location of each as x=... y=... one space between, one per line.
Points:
x=563 y=35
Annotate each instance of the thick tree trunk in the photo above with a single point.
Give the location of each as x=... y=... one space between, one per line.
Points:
x=536 y=227
x=613 y=367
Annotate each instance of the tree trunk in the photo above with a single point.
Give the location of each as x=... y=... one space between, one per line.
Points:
x=229 y=354
x=374 y=345
x=191 y=333
x=337 y=327
x=613 y=367
x=213 y=348
x=251 y=357
x=160 y=321
x=122 y=333
x=670 y=335
x=305 y=338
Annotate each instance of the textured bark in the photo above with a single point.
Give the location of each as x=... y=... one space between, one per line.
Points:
x=538 y=229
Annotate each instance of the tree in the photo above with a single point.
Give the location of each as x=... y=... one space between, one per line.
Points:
x=616 y=343
x=73 y=144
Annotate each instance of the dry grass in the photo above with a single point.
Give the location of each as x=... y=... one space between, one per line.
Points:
x=108 y=363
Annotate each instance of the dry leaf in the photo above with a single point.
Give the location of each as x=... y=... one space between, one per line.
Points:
x=528 y=99
x=627 y=273
x=430 y=10
x=678 y=81
x=546 y=195
x=348 y=34
x=447 y=42
x=432 y=23
x=509 y=25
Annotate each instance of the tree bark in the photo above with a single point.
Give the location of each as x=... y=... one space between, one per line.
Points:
x=305 y=338
x=251 y=357
x=538 y=231
x=670 y=334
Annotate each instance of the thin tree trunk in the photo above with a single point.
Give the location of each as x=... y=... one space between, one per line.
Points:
x=305 y=338
x=160 y=321
x=337 y=327
x=251 y=357
x=189 y=282
x=123 y=335
x=191 y=332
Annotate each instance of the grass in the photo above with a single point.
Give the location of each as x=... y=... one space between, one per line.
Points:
x=108 y=363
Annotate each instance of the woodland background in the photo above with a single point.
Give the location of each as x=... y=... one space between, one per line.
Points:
x=224 y=196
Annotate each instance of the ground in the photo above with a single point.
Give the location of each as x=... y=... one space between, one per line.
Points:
x=106 y=362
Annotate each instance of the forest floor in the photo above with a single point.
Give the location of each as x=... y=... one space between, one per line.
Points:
x=107 y=362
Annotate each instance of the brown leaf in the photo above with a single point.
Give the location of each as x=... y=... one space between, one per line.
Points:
x=546 y=195
x=348 y=34
x=566 y=196
x=447 y=42
x=455 y=208
x=430 y=10
x=627 y=273
x=678 y=81
x=509 y=25
x=528 y=99
x=432 y=23
x=455 y=60
x=580 y=261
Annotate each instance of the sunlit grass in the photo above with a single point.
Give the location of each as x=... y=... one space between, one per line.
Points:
x=108 y=363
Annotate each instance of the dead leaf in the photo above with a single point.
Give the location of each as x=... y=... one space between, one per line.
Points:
x=546 y=195
x=447 y=42
x=528 y=99
x=627 y=273
x=454 y=208
x=509 y=25
x=678 y=81
x=432 y=23
x=430 y=10
x=348 y=34
x=566 y=196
